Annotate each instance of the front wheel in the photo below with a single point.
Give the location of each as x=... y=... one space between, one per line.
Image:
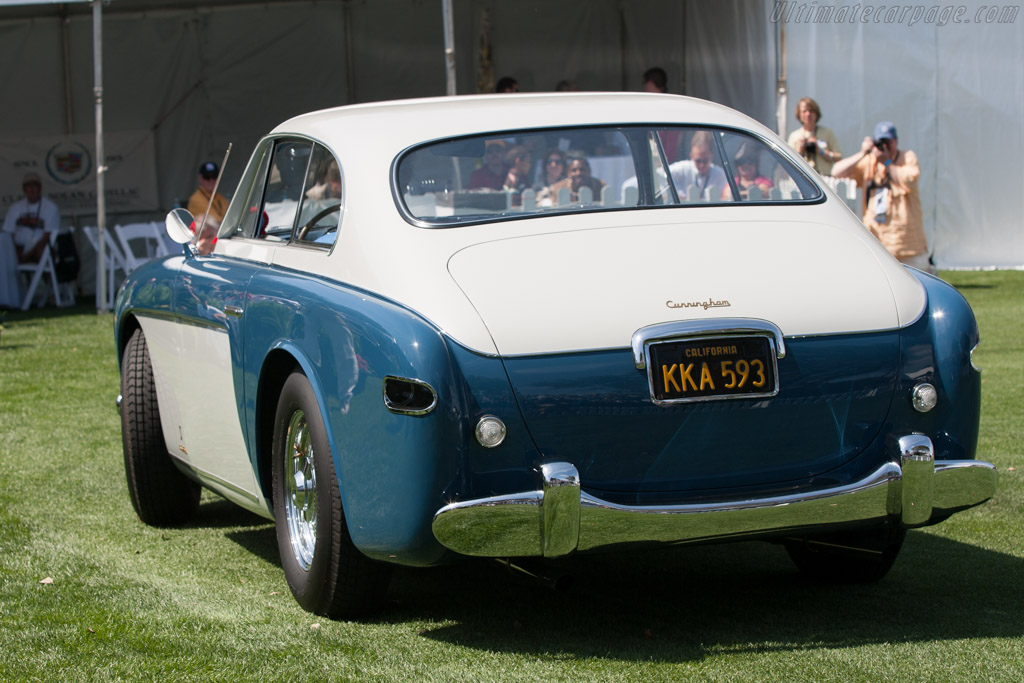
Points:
x=847 y=557
x=325 y=571
x=160 y=493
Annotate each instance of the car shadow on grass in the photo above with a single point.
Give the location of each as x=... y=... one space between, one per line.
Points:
x=219 y=513
x=683 y=604
x=247 y=529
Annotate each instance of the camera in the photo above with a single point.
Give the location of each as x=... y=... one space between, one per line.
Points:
x=810 y=148
x=880 y=146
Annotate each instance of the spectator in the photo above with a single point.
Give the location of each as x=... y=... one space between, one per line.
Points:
x=519 y=161
x=655 y=80
x=554 y=167
x=747 y=176
x=199 y=202
x=698 y=171
x=329 y=186
x=31 y=221
x=888 y=178
x=490 y=176
x=578 y=178
x=507 y=84
x=816 y=143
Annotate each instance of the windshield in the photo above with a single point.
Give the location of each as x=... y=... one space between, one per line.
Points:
x=524 y=173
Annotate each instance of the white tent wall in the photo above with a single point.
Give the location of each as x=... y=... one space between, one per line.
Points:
x=596 y=44
x=200 y=76
x=955 y=93
x=979 y=197
x=31 y=77
x=730 y=56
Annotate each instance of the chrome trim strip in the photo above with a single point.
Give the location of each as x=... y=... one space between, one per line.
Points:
x=603 y=349
x=235 y=494
x=507 y=526
x=177 y=318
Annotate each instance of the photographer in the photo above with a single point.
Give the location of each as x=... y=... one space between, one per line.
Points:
x=888 y=177
x=817 y=144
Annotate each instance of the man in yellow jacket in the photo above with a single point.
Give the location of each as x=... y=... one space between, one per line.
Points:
x=888 y=177
x=200 y=199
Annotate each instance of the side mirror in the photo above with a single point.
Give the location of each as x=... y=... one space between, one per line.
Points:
x=180 y=226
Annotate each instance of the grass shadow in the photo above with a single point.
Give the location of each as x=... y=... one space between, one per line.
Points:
x=254 y=533
x=81 y=306
x=218 y=513
x=261 y=542
x=681 y=604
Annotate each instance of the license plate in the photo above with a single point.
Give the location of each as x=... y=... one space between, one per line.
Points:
x=712 y=368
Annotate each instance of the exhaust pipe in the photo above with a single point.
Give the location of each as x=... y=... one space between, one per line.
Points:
x=549 y=577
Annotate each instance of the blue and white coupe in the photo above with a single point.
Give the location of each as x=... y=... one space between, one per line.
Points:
x=530 y=326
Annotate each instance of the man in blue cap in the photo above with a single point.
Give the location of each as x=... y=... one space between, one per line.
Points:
x=200 y=201
x=888 y=177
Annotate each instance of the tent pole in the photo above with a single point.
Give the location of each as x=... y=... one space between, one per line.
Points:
x=781 y=92
x=69 y=111
x=350 y=86
x=449 y=45
x=101 y=169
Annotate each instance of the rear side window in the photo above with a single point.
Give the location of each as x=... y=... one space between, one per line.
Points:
x=284 y=188
x=321 y=201
x=515 y=174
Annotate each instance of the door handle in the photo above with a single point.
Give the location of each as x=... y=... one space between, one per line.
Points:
x=234 y=311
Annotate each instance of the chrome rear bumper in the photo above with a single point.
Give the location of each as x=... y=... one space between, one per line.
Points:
x=560 y=518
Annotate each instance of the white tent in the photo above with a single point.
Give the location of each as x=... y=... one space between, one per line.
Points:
x=952 y=80
x=182 y=81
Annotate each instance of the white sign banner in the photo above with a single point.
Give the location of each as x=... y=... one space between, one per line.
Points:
x=66 y=165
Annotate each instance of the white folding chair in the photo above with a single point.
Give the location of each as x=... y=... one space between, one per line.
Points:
x=165 y=246
x=36 y=271
x=140 y=242
x=113 y=261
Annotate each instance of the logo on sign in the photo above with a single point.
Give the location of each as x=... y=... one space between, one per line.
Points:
x=68 y=162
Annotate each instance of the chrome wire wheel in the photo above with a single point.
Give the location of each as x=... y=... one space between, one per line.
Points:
x=326 y=572
x=300 y=505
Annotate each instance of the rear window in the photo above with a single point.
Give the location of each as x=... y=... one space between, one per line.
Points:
x=527 y=173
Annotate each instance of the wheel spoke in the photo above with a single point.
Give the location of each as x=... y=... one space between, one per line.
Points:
x=301 y=500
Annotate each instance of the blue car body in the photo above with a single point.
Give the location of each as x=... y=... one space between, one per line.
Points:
x=469 y=351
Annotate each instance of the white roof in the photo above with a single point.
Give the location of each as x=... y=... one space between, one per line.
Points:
x=524 y=286
x=397 y=124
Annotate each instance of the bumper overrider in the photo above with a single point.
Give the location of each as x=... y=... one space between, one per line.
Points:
x=560 y=518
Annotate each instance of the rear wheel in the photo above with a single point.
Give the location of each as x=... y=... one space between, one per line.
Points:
x=325 y=571
x=848 y=557
x=160 y=493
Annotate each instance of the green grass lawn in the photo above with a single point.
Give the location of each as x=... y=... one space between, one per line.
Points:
x=122 y=601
